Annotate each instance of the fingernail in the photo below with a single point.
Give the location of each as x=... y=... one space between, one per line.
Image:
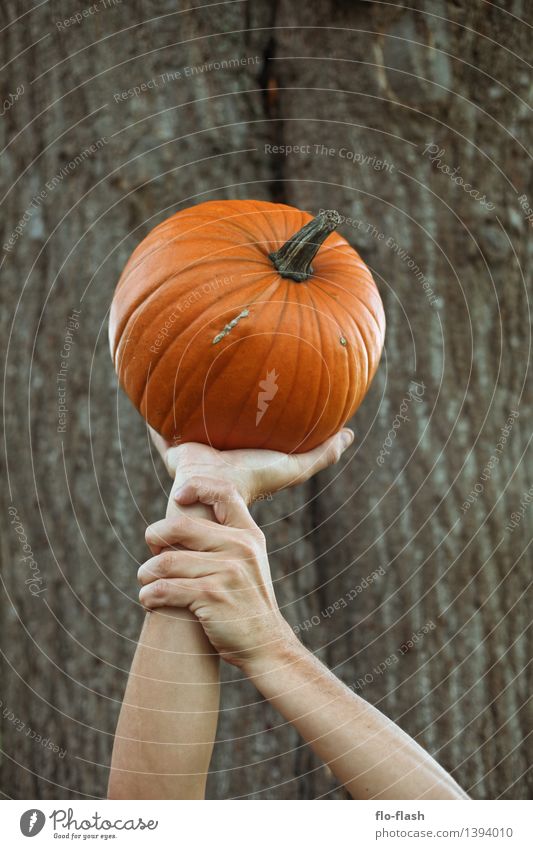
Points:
x=347 y=437
x=176 y=495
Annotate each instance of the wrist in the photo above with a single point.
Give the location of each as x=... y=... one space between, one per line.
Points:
x=281 y=653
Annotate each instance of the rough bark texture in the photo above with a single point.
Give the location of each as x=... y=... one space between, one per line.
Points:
x=382 y=82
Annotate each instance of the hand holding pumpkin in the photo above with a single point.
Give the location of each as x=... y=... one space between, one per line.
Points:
x=254 y=472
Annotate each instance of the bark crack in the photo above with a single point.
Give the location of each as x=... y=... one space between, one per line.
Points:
x=270 y=98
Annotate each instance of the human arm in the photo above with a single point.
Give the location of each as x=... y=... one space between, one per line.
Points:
x=367 y=752
x=224 y=577
x=167 y=723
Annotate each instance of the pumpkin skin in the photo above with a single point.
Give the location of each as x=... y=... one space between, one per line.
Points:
x=213 y=345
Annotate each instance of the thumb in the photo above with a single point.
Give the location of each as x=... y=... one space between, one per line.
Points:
x=223 y=496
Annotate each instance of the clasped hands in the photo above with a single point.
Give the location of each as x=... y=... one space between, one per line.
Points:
x=219 y=570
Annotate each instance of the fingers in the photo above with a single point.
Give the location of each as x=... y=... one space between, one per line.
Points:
x=324 y=455
x=173 y=564
x=227 y=502
x=291 y=469
x=173 y=592
x=190 y=532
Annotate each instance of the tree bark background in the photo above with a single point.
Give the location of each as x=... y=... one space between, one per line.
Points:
x=382 y=82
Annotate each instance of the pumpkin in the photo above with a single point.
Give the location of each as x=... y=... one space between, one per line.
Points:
x=246 y=324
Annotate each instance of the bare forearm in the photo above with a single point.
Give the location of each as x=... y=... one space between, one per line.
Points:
x=168 y=719
x=167 y=724
x=367 y=753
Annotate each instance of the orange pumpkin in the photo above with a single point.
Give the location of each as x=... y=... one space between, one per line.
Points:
x=246 y=324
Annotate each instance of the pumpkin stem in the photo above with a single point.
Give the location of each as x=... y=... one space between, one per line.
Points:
x=294 y=258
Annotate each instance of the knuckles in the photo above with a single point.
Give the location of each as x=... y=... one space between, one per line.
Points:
x=156 y=591
x=247 y=549
x=164 y=563
x=173 y=527
x=150 y=535
x=250 y=543
x=209 y=590
x=233 y=573
x=159 y=588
